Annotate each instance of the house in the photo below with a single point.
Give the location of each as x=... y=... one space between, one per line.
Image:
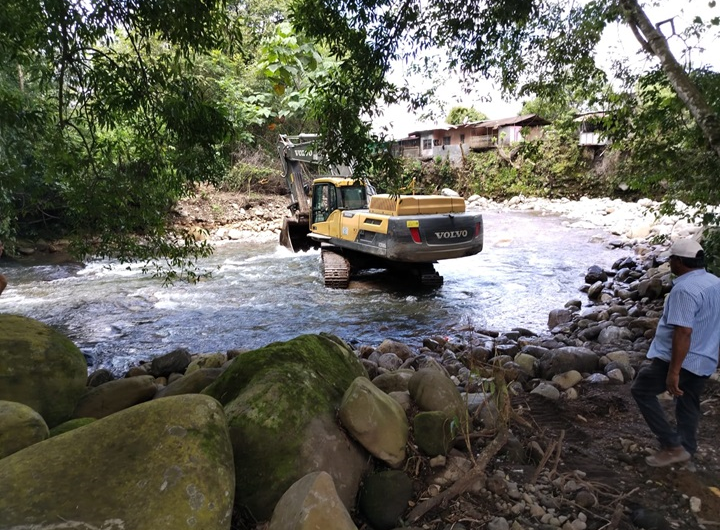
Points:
x=489 y=134
x=590 y=131
x=453 y=141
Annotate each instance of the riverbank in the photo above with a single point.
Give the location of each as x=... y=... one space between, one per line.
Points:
x=215 y=216
x=233 y=216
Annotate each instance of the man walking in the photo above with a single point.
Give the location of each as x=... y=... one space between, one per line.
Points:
x=683 y=354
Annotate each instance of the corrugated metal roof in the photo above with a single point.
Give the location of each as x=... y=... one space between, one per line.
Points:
x=525 y=119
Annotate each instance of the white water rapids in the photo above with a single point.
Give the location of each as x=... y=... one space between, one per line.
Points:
x=261 y=293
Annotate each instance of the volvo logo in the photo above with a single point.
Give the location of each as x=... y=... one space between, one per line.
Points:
x=451 y=235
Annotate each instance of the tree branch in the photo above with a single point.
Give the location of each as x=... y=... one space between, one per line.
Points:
x=656 y=44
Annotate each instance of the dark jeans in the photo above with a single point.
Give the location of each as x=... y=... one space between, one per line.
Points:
x=649 y=383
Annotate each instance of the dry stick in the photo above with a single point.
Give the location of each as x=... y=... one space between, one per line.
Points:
x=559 y=453
x=546 y=456
x=619 y=509
x=490 y=450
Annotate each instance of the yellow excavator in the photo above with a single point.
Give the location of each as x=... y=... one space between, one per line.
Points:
x=357 y=229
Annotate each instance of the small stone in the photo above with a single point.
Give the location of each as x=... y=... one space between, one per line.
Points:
x=499 y=523
x=438 y=461
x=577 y=524
x=695 y=504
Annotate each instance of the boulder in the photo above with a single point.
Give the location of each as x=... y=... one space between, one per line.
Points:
x=396 y=381
x=433 y=432
x=384 y=498
x=526 y=362
x=568 y=358
x=375 y=420
x=595 y=274
x=281 y=403
x=311 y=503
x=567 y=380
x=20 y=427
x=70 y=425
x=192 y=383
x=175 y=361
x=558 y=316
x=398 y=348
x=484 y=406
x=546 y=390
x=100 y=377
x=614 y=334
x=162 y=464
x=40 y=367
x=209 y=360
x=389 y=361
x=115 y=396
x=432 y=390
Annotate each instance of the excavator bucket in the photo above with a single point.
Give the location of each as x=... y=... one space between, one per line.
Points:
x=294 y=235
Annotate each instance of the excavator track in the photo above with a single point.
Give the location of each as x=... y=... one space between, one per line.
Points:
x=428 y=276
x=336 y=269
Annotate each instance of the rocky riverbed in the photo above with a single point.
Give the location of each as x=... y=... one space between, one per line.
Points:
x=573 y=457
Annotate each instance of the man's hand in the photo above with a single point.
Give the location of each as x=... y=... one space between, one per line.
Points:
x=672 y=384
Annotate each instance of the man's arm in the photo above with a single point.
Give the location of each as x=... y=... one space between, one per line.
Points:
x=680 y=348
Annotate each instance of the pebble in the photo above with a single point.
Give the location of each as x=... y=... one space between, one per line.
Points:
x=499 y=523
x=695 y=504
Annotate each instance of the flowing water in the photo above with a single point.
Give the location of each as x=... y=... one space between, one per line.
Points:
x=261 y=293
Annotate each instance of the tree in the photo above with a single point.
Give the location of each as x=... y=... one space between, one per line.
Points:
x=550 y=109
x=104 y=121
x=111 y=112
x=460 y=115
x=529 y=47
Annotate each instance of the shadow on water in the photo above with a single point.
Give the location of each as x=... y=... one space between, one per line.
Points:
x=261 y=293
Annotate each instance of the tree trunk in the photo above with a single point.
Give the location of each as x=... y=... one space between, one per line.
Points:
x=656 y=44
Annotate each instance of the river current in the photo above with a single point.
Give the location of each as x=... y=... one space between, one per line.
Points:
x=260 y=293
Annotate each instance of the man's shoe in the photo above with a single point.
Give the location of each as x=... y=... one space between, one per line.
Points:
x=667 y=457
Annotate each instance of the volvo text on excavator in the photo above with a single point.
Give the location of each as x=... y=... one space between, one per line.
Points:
x=357 y=229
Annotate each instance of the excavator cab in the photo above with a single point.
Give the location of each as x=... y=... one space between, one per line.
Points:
x=332 y=194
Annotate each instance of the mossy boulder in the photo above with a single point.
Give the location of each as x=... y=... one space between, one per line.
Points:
x=191 y=383
x=70 y=425
x=115 y=396
x=162 y=464
x=40 y=367
x=433 y=390
x=20 y=427
x=433 y=432
x=281 y=402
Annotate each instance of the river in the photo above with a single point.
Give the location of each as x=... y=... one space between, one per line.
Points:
x=261 y=293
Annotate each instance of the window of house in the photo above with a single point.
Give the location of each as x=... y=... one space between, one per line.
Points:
x=427 y=144
x=436 y=141
x=446 y=140
x=462 y=138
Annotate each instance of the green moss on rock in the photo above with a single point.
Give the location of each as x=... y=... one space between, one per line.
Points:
x=273 y=396
x=163 y=464
x=20 y=427
x=70 y=425
x=40 y=367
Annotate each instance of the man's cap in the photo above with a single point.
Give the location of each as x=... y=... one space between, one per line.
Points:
x=683 y=248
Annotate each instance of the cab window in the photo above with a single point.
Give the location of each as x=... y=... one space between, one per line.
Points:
x=324 y=202
x=353 y=197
